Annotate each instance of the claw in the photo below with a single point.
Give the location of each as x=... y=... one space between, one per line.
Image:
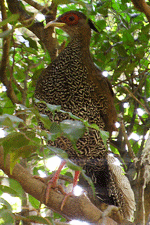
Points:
x=65 y=199
x=75 y=181
x=53 y=182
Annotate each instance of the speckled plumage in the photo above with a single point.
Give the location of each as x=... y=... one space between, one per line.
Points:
x=64 y=83
x=73 y=81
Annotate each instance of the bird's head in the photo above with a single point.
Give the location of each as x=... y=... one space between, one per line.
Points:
x=73 y=23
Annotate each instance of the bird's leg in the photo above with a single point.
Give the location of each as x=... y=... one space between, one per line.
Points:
x=75 y=181
x=53 y=182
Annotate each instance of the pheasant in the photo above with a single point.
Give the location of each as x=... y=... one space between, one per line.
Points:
x=73 y=81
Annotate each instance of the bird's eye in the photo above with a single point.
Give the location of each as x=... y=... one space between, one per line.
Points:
x=71 y=18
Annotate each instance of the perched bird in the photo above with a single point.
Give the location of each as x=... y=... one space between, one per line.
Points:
x=73 y=81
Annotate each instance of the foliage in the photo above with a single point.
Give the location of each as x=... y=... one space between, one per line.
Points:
x=121 y=48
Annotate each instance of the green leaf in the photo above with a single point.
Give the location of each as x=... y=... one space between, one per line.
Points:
x=32 y=43
x=7 y=216
x=104 y=135
x=53 y=108
x=30 y=50
x=34 y=202
x=45 y=120
x=14 y=140
x=6 y=119
x=5 y=203
x=128 y=38
x=89 y=181
x=24 y=152
x=147 y=87
x=16 y=186
x=10 y=19
x=40 y=219
x=42 y=117
x=101 y=24
x=93 y=125
x=58 y=151
x=9 y=190
x=19 y=73
x=9 y=107
x=55 y=131
x=74 y=117
x=73 y=166
x=72 y=129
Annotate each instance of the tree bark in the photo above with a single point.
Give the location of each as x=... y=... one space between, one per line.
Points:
x=75 y=208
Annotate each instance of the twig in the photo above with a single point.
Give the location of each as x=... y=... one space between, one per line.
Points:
x=44 y=10
x=132 y=95
x=19 y=217
x=34 y=4
x=17 y=85
x=130 y=150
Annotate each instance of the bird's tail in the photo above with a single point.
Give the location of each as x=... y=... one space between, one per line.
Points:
x=112 y=187
x=120 y=189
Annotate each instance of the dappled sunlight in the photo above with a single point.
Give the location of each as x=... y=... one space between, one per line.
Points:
x=53 y=163
x=134 y=136
x=3 y=133
x=78 y=191
x=78 y=222
x=140 y=112
x=105 y=73
x=15 y=202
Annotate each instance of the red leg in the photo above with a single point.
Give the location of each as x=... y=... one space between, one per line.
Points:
x=75 y=181
x=53 y=182
x=76 y=176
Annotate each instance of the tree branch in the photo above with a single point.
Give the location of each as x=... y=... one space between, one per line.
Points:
x=5 y=60
x=132 y=95
x=45 y=35
x=17 y=217
x=142 y=6
x=75 y=208
x=130 y=150
x=37 y=6
x=142 y=187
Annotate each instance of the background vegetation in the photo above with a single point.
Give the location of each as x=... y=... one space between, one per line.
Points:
x=121 y=49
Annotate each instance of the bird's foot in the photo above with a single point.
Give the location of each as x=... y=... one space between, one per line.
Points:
x=42 y=179
x=65 y=199
x=75 y=181
x=53 y=184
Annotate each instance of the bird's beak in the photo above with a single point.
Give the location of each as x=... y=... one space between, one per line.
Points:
x=54 y=23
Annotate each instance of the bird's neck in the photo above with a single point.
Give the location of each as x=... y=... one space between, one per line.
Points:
x=82 y=43
x=83 y=40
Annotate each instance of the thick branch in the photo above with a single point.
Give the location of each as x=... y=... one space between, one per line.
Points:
x=34 y=4
x=42 y=9
x=142 y=188
x=45 y=35
x=5 y=59
x=142 y=6
x=75 y=208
